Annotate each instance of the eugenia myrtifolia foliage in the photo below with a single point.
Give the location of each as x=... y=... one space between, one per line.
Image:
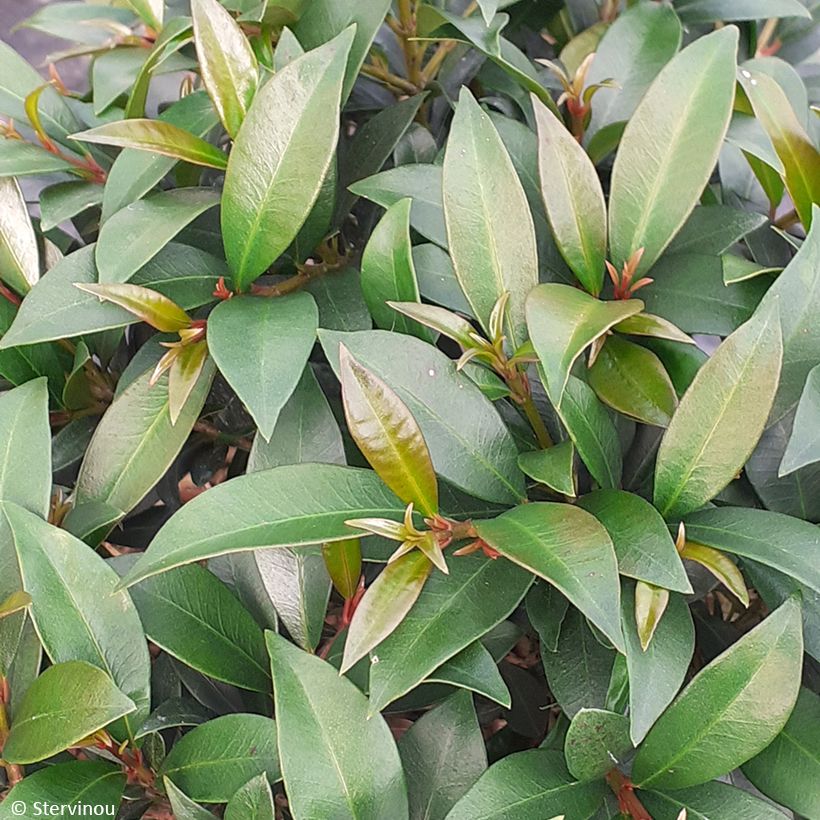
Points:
x=412 y=410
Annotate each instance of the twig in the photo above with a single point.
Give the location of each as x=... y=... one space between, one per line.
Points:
x=14 y=773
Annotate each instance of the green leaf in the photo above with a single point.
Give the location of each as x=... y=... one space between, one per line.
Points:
x=19 y=259
x=579 y=669
x=387 y=600
x=226 y=61
x=452 y=611
x=290 y=133
x=388 y=435
x=184 y=374
x=665 y=661
x=529 y=785
x=193 y=616
x=592 y=432
x=146 y=304
x=134 y=235
x=664 y=162
x=645 y=324
x=213 y=761
x=804 y=444
x=554 y=467
x=68 y=785
x=25 y=469
x=596 y=741
x=134 y=173
x=643 y=546
x=159 y=137
x=474 y=669
x=343 y=561
x=287 y=506
x=567 y=547
x=708 y=11
x=546 y=609
x=573 y=198
x=779 y=541
x=261 y=346
x=787 y=770
x=135 y=443
x=493 y=250
x=631 y=53
x=16 y=602
x=469 y=444
x=56 y=309
x=797 y=292
x=78 y=615
x=650 y=604
x=183 y=807
x=423 y=184
x=388 y=273
x=334 y=754
x=151 y=11
x=694 y=740
x=720 y=417
x=632 y=380
x=22 y=159
x=65 y=200
x=711 y=801
x=714 y=229
x=563 y=321
x=253 y=800
x=174 y=712
x=443 y=755
x=66 y=704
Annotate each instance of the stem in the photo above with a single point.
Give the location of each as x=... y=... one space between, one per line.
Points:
x=207 y=429
x=14 y=773
x=787 y=220
x=435 y=62
x=765 y=47
x=627 y=799
x=537 y=423
x=396 y=83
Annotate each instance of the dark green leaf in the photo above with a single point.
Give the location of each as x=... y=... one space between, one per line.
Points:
x=711 y=801
x=708 y=11
x=596 y=741
x=474 y=669
x=554 y=467
x=804 y=444
x=253 y=800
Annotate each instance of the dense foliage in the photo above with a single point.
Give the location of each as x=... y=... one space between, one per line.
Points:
x=416 y=416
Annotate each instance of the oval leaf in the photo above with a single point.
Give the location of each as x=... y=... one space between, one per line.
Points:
x=19 y=259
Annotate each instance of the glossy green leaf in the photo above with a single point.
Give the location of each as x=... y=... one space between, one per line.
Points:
x=388 y=435
x=475 y=670
x=387 y=600
x=720 y=417
x=388 y=273
x=151 y=11
x=665 y=661
x=643 y=546
x=645 y=324
x=147 y=305
x=226 y=60
x=78 y=615
x=451 y=612
x=134 y=235
x=468 y=442
x=563 y=321
x=797 y=292
x=73 y=785
x=261 y=346
x=254 y=800
x=423 y=184
x=489 y=227
x=66 y=704
x=16 y=602
x=193 y=616
x=22 y=159
x=333 y=753
x=632 y=52
x=529 y=785
x=782 y=542
x=290 y=133
x=135 y=443
x=343 y=560
x=546 y=609
x=554 y=467
x=788 y=768
x=179 y=711
x=804 y=443
x=65 y=200
x=596 y=741
x=324 y=19
x=714 y=229
x=25 y=468
x=183 y=807
x=567 y=547
x=633 y=381
x=213 y=761
x=592 y=432
x=19 y=258
x=294 y=505
x=664 y=163
x=184 y=374
x=711 y=801
x=443 y=755
x=708 y=11
x=695 y=740
x=157 y=136
x=573 y=198
x=650 y=605
x=720 y=565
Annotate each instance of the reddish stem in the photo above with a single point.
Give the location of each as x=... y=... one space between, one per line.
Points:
x=628 y=801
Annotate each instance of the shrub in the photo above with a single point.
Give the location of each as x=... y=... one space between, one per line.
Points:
x=417 y=417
